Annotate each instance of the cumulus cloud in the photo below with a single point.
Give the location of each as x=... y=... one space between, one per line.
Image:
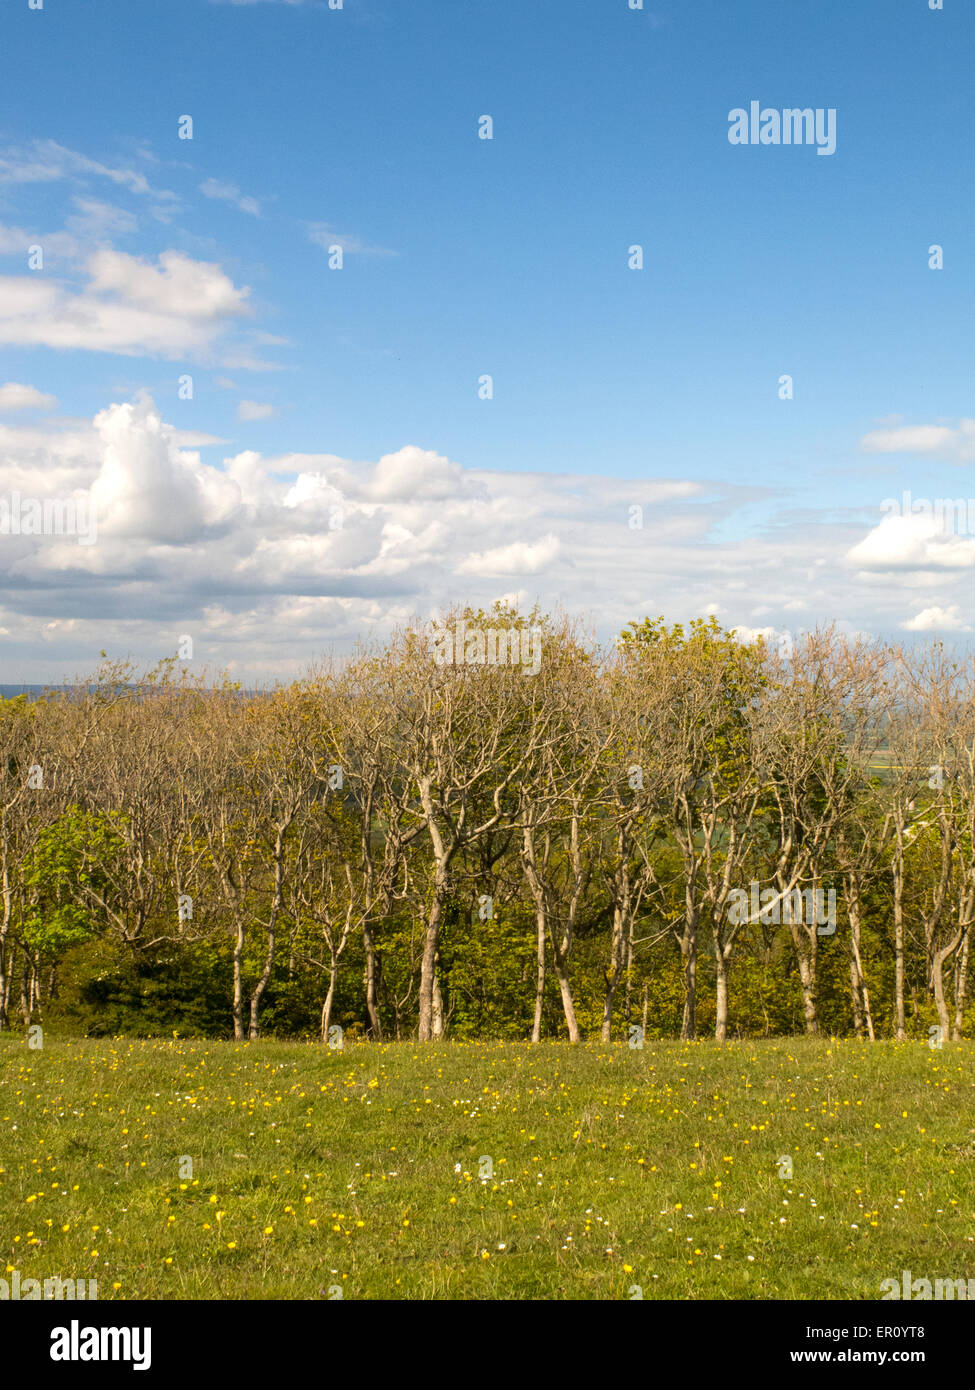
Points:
x=147 y=488
x=911 y=543
x=14 y=396
x=178 y=285
x=937 y=619
x=520 y=557
x=413 y=474
x=176 y=308
x=270 y=559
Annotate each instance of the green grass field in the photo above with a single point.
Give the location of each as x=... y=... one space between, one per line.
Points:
x=486 y=1171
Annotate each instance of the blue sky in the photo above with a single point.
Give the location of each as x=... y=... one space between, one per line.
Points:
x=463 y=256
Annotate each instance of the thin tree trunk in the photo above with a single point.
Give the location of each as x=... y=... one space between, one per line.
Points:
x=428 y=963
x=329 y=999
x=539 y=975
x=863 y=990
x=688 y=947
x=805 y=942
x=254 y=1026
x=938 y=981
x=721 y=996
x=898 y=875
x=4 y=929
x=438 y=1024
x=276 y=900
x=612 y=976
x=961 y=984
x=565 y=991
x=374 y=1027
x=855 y=998
x=858 y=982
x=239 y=1033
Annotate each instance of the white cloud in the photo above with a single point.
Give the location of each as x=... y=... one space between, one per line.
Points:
x=96 y=221
x=323 y=234
x=175 y=309
x=957 y=444
x=520 y=557
x=59 y=246
x=45 y=161
x=147 y=488
x=179 y=286
x=226 y=192
x=254 y=410
x=413 y=474
x=911 y=543
x=937 y=620
x=14 y=396
x=271 y=559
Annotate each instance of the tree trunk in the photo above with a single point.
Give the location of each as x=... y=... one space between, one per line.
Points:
x=898 y=875
x=239 y=1033
x=855 y=998
x=428 y=964
x=938 y=982
x=864 y=992
x=721 y=996
x=4 y=929
x=612 y=976
x=374 y=1027
x=961 y=981
x=437 y=1029
x=261 y=986
x=858 y=982
x=539 y=975
x=565 y=990
x=688 y=948
x=805 y=945
x=329 y=999
x=4 y=984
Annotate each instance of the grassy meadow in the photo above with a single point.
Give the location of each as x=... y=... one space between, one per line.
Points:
x=486 y=1170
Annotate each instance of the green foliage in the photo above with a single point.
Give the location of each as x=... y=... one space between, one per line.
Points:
x=65 y=876
x=106 y=989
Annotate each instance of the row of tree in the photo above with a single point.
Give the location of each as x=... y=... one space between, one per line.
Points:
x=523 y=838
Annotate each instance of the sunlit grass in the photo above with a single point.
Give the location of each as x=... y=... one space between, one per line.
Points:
x=487 y=1170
